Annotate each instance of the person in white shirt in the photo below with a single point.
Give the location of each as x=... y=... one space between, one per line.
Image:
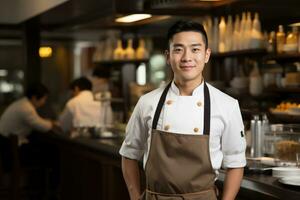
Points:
x=81 y=110
x=185 y=131
x=21 y=118
x=100 y=80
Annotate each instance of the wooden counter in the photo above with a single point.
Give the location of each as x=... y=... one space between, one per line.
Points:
x=91 y=169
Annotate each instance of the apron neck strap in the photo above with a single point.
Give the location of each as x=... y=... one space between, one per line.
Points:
x=160 y=105
x=206 y=128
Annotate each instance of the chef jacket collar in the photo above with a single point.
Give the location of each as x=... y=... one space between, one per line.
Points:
x=197 y=91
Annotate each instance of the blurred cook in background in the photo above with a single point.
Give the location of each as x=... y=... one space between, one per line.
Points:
x=81 y=110
x=21 y=118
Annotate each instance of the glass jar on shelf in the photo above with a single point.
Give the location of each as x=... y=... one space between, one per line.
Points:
x=282 y=141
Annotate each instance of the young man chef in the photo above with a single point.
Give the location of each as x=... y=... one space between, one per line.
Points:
x=186 y=130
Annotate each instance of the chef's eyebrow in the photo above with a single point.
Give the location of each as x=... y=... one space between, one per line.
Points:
x=197 y=45
x=178 y=45
x=193 y=45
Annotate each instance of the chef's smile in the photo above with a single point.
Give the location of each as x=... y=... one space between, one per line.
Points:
x=186 y=67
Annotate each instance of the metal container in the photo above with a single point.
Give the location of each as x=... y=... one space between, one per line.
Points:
x=282 y=141
x=256 y=136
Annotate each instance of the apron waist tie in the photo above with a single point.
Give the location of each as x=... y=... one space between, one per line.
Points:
x=180 y=195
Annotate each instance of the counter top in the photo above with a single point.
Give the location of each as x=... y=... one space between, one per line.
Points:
x=264 y=186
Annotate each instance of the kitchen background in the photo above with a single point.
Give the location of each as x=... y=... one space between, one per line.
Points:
x=255 y=49
x=255 y=58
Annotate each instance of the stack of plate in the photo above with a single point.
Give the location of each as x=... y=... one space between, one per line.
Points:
x=281 y=172
x=290 y=180
x=287 y=175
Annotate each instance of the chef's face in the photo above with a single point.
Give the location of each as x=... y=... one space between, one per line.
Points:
x=187 y=56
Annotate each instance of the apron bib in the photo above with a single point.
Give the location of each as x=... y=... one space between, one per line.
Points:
x=178 y=165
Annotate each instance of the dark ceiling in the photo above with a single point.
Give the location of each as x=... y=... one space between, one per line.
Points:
x=77 y=15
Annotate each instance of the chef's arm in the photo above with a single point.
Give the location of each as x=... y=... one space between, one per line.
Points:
x=232 y=183
x=131 y=173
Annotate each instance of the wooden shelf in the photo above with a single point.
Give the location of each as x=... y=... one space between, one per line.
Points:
x=241 y=53
x=242 y=94
x=284 y=90
x=121 y=62
x=259 y=52
x=283 y=57
x=284 y=118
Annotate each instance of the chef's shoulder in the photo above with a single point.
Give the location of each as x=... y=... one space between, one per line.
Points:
x=222 y=100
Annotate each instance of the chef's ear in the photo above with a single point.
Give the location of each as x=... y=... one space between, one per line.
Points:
x=207 y=54
x=167 y=55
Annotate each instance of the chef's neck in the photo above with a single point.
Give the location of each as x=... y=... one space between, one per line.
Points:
x=186 y=88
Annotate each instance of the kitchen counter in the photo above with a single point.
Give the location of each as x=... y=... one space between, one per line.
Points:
x=100 y=156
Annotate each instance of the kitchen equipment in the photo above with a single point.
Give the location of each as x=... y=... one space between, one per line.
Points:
x=282 y=141
x=256 y=136
x=293 y=180
x=280 y=172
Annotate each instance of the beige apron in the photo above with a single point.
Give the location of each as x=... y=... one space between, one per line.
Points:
x=179 y=165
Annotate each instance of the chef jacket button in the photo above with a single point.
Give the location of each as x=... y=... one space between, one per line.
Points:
x=167 y=127
x=199 y=103
x=196 y=130
x=169 y=102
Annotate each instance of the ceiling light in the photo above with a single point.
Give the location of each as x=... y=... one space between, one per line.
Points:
x=295 y=24
x=133 y=18
x=45 y=52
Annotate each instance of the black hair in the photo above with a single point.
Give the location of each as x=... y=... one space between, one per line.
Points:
x=187 y=25
x=82 y=83
x=36 y=89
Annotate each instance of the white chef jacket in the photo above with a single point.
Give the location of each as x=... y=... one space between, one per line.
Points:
x=21 y=118
x=81 y=111
x=184 y=115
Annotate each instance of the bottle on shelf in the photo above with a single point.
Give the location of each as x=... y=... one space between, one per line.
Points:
x=299 y=42
x=228 y=34
x=256 y=38
x=129 y=51
x=141 y=51
x=247 y=31
x=256 y=23
x=119 y=52
x=292 y=41
x=222 y=32
x=242 y=32
x=236 y=33
x=208 y=27
x=271 y=48
x=280 y=39
x=215 y=34
x=256 y=81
